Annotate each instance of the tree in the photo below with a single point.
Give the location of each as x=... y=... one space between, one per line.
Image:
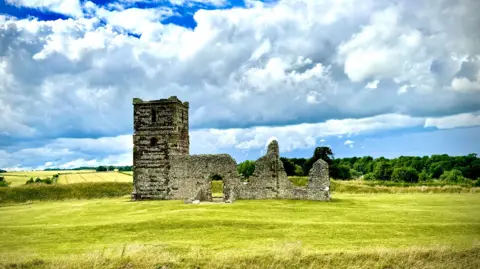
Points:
x=299 y=170
x=423 y=176
x=246 y=168
x=405 y=174
x=3 y=171
x=111 y=168
x=340 y=171
x=288 y=165
x=453 y=176
x=324 y=153
x=382 y=171
x=101 y=169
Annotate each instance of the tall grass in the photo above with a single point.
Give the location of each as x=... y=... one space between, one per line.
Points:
x=26 y=193
x=283 y=257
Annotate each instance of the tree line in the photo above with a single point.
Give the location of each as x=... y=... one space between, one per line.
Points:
x=402 y=169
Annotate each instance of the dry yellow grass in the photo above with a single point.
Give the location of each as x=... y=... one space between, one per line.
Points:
x=94 y=177
x=19 y=178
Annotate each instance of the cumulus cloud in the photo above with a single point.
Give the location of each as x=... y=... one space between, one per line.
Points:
x=463 y=84
x=67 y=7
x=454 y=121
x=349 y=143
x=269 y=64
x=372 y=84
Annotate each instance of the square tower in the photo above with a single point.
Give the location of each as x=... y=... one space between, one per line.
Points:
x=160 y=131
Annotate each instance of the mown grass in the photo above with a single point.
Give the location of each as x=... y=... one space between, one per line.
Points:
x=351 y=231
x=37 y=192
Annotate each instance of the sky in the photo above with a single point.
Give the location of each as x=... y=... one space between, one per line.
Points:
x=364 y=77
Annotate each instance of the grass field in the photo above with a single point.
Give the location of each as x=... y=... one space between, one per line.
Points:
x=351 y=231
x=19 y=178
x=94 y=177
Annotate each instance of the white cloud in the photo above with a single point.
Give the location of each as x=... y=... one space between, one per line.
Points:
x=238 y=68
x=465 y=85
x=135 y=20
x=454 y=121
x=349 y=143
x=67 y=7
x=403 y=89
x=314 y=97
x=299 y=136
x=372 y=84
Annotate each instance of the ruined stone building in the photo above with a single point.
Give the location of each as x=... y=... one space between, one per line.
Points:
x=164 y=169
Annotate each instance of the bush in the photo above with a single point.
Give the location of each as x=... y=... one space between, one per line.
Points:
x=423 y=176
x=41 y=181
x=3 y=182
x=405 y=174
x=476 y=183
x=368 y=176
x=452 y=176
x=355 y=174
x=298 y=171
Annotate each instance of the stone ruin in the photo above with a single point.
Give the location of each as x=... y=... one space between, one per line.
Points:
x=164 y=170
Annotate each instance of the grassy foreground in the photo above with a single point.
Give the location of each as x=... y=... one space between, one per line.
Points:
x=351 y=231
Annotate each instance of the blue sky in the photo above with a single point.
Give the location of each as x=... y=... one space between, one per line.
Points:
x=378 y=78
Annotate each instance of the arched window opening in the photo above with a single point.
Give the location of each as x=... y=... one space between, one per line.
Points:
x=153 y=141
x=154 y=115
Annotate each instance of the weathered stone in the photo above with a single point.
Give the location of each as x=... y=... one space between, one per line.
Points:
x=163 y=168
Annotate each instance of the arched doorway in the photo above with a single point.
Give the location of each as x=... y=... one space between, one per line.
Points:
x=217 y=188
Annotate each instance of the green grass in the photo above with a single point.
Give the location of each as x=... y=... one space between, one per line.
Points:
x=353 y=230
x=362 y=186
x=35 y=192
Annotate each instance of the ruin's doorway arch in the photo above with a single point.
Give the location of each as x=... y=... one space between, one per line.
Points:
x=217 y=186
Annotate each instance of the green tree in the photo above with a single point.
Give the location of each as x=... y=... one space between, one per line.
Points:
x=288 y=165
x=299 y=170
x=324 y=153
x=405 y=174
x=423 y=176
x=111 y=168
x=246 y=168
x=101 y=169
x=340 y=171
x=382 y=170
x=453 y=176
x=368 y=176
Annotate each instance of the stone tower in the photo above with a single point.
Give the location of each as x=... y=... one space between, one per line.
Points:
x=160 y=131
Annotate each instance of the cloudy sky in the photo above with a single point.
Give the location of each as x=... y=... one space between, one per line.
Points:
x=379 y=78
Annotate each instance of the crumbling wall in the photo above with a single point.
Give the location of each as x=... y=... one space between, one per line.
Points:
x=270 y=180
x=190 y=176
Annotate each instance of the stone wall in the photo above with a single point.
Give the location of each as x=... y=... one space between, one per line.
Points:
x=191 y=176
x=270 y=180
